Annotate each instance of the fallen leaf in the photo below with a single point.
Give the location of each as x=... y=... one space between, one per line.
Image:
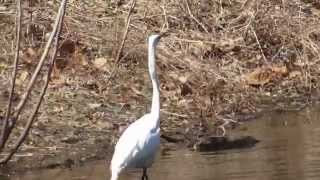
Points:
x=103 y=125
x=29 y=56
x=94 y=105
x=282 y=70
x=295 y=74
x=102 y=64
x=71 y=56
x=58 y=109
x=79 y=57
x=263 y=75
x=22 y=78
x=183 y=79
x=259 y=76
x=3 y=67
x=67 y=48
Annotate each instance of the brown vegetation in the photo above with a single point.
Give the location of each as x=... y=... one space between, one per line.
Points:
x=222 y=62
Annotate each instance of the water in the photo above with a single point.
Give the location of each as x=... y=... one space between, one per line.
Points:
x=289 y=150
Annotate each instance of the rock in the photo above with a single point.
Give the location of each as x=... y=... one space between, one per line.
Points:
x=102 y=64
x=224 y=143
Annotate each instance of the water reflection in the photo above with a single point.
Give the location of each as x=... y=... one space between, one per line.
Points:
x=289 y=150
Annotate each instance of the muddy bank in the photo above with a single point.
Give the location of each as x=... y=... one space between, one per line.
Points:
x=222 y=64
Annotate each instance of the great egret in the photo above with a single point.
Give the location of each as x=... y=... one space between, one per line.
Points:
x=139 y=143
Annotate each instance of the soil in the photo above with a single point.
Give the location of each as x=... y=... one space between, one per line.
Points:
x=222 y=64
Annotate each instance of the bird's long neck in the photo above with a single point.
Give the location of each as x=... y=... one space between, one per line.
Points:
x=155 y=107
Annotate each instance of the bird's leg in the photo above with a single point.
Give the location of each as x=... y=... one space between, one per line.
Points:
x=144 y=174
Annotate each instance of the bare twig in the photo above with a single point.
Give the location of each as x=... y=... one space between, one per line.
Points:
x=4 y=132
x=37 y=71
x=256 y=37
x=128 y=20
x=226 y=121
x=166 y=23
x=173 y=114
x=56 y=33
x=125 y=34
x=194 y=18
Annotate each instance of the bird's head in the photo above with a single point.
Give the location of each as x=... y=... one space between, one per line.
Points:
x=154 y=39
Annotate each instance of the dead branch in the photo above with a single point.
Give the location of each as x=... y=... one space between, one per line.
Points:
x=55 y=33
x=226 y=121
x=166 y=23
x=194 y=18
x=125 y=34
x=35 y=74
x=4 y=132
x=260 y=48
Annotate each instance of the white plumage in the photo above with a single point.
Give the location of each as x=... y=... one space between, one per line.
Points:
x=140 y=142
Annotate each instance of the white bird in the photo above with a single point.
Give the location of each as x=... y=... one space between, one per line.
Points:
x=140 y=142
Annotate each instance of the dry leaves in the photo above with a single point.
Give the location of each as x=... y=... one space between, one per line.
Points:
x=94 y=105
x=266 y=74
x=3 y=66
x=22 y=78
x=102 y=64
x=30 y=56
x=295 y=74
x=71 y=56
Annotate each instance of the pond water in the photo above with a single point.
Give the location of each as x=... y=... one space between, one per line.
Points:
x=289 y=150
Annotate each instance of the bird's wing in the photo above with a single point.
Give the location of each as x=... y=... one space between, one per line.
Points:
x=128 y=144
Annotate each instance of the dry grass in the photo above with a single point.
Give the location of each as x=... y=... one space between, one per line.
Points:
x=205 y=65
